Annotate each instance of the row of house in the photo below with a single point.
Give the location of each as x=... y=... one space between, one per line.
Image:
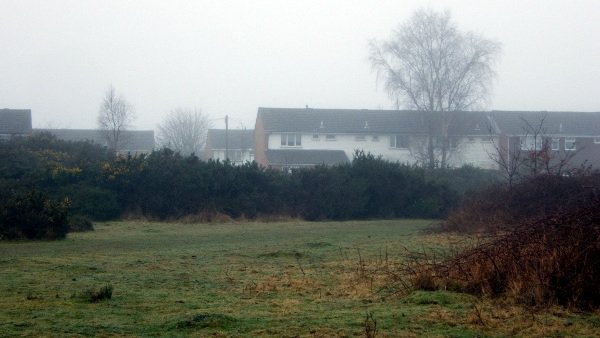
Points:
x=17 y=122
x=287 y=138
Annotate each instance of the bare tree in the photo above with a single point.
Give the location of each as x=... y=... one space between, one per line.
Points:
x=184 y=130
x=431 y=66
x=530 y=154
x=114 y=117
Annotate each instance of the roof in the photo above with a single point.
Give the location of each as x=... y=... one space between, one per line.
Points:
x=133 y=140
x=340 y=121
x=554 y=123
x=15 y=121
x=238 y=139
x=306 y=157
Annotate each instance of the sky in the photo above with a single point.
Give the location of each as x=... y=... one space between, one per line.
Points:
x=231 y=57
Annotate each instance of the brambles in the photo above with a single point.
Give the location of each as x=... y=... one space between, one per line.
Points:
x=540 y=248
x=501 y=207
x=370 y=326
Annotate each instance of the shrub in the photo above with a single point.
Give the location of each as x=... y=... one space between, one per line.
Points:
x=543 y=252
x=33 y=215
x=502 y=206
x=92 y=201
x=79 y=223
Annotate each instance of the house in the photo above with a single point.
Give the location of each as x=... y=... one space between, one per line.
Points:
x=132 y=141
x=237 y=145
x=570 y=139
x=17 y=122
x=14 y=122
x=288 y=138
x=395 y=135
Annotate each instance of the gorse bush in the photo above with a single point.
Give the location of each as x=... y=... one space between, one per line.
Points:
x=369 y=188
x=165 y=185
x=33 y=215
x=79 y=223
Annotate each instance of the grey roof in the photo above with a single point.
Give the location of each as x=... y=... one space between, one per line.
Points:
x=15 y=121
x=238 y=139
x=133 y=140
x=554 y=123
x=366 y=121
x=306 y=157
x=342 y=121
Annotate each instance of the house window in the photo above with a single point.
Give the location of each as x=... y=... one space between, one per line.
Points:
x=330 y=137
x=555 y=143
x=399 y=141
x=375 y=138
x=597 y=140
x=359 y=138
x=291 y=140
x=531 y=143
x=471 y=139
x=315 y=137
x=570 y=143
x=237 y=156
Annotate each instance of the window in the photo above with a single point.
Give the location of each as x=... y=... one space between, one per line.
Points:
x=236 y=156
x=399 y=141
x=375 y=138
x=291 y=140
x=315 y=137
x=597 y=140
x=531 y=143
x=330 y=137
x=359 y=138
x=570 y=143
x=555 y=143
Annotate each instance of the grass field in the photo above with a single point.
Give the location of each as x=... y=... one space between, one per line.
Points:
x=295 y=279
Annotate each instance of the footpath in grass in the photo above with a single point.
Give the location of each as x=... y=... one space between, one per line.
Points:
x=295 y=279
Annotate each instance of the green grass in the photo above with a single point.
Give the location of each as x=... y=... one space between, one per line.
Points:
x=251 y=279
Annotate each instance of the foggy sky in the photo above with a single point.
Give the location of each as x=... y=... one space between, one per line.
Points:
x=230 y=57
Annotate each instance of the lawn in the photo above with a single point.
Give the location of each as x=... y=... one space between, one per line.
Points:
x=293 y=279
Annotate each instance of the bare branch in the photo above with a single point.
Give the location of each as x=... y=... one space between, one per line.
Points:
x=114 y=117
x=429 y=65
x=184 y=130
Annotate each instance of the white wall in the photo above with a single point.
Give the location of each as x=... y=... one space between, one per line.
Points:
x=348 y=143
x=472 y=151
x=219 y=154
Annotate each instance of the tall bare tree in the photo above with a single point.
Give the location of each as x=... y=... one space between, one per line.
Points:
x=184 y=130
x=115 y=116
x=431 y=66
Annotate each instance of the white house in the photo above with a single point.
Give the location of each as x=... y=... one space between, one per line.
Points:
x=310 y=137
